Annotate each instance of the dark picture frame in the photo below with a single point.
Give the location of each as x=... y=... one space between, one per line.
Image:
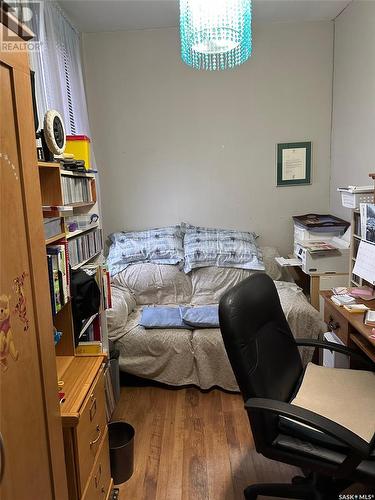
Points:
x=285 y=175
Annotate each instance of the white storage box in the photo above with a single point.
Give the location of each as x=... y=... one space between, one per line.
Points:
x=52 y=227
x=81 y=222
x=352 y=199
x=332 y=359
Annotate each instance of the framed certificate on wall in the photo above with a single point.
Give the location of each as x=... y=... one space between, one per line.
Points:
x=293 y=163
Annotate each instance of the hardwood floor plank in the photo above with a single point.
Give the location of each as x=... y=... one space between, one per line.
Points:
x=195 y=480
x=171 y=460
x=157 y=419
x=217 y=451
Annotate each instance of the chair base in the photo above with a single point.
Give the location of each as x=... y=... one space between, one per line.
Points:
x=312 y=487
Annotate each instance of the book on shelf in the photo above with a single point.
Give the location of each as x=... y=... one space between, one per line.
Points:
x=103 y=280
x=84 y=247
x=76 y=190
x=51 y=284
x=60 y=261
x=58 y=275
x=367 y=211
x=91 y=329
x=107 y=287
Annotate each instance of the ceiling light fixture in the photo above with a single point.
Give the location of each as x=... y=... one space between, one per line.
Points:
x=215 y=34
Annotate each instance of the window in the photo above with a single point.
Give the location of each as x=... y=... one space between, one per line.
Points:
x=58 y=68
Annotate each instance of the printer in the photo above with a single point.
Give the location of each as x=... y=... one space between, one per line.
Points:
x=334 y=260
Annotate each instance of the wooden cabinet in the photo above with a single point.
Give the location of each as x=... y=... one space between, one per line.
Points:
x=53 y=450
x=85 y=426
x=30 y=421
x=97 y=488
x=349 y=327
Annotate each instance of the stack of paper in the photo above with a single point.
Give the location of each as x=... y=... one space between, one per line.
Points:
x=288 y=262
x=342 y=300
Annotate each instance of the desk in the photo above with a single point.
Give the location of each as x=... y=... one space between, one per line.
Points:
x=313 y=284
x=349 y=327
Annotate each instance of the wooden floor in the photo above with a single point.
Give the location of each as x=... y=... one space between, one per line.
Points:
x=192 y=445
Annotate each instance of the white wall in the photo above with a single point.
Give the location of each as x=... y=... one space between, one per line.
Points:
x=177 y=144
x=353 y=137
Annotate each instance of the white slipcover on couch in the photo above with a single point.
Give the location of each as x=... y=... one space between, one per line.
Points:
x=183 y=357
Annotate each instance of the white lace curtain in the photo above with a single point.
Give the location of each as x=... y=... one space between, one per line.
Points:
x=58 y=68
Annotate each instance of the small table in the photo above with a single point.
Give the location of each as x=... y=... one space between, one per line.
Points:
x=349 y=327
x=313 y=283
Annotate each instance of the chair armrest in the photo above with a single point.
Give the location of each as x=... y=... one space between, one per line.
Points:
x=332 y=346
x=358 y=445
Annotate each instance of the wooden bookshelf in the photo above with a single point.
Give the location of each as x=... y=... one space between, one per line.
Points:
x=73 y=234
x=50 y=175
x=77 y=266
x=54 y=239
x=80 y=375
x=50 y=184
x=48 y=164
x=83 y=204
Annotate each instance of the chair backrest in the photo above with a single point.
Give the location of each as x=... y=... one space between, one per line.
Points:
x=259 y=343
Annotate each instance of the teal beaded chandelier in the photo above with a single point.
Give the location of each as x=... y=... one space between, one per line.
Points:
x=215 y=34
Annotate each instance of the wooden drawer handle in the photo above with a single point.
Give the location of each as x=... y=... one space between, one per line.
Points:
x=98 y=476
x=97 y=439
x=333 y=325
x=92 y=407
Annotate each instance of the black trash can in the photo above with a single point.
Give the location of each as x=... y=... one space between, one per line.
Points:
x=121 y=450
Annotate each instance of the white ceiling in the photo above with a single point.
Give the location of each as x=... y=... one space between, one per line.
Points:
x=113 y=15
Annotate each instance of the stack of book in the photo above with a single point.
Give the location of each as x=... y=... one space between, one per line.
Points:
x=58 y=275
x=76 y=189
x=103 y=279
x=84 y=247
x=106 y=287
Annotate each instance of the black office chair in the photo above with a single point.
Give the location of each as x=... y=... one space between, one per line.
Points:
x=267 y=365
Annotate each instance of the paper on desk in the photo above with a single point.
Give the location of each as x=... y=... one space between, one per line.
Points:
x=365 y=262
x=288 y=262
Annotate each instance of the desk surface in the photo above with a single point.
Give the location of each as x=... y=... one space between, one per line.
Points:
x=355 y=320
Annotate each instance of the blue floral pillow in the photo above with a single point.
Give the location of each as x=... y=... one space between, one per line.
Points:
x=159 y=246
x=205 y=247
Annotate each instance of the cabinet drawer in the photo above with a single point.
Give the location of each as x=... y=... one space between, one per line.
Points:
x=100 y=479
x=336 y=322
x=91 y=428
